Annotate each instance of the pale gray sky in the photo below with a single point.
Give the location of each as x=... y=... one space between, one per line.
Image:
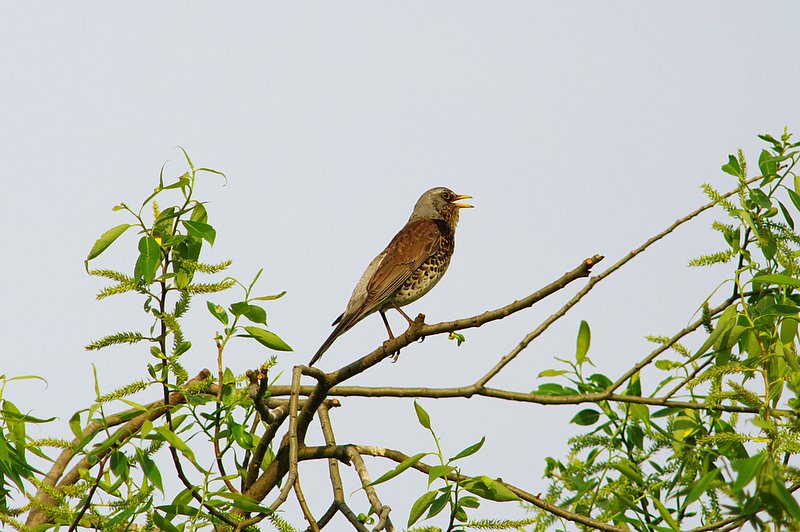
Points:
x=579 y=128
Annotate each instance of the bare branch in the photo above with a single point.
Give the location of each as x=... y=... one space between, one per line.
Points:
x=341 y=453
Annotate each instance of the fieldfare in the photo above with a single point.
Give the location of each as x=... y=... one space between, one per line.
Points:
x=409 y=267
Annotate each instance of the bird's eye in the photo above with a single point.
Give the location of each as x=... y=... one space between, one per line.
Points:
x=446 y=195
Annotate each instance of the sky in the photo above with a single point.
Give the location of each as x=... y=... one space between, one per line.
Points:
x=578 y=128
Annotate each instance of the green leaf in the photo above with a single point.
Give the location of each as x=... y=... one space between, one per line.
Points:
x=440 y=502
x=732 y=167
x=105 y=240
x=776 y=278
x=176 y=442
x=469 y=501
x=254 y=313
x=244 y=502
x=472 y=449
x=795 y=198
x=747 y=470
x=218 y=312
x=553 y=388
x=422 y=416
x=759 y=198
x=786 y=499
x=266 y=338
x=119 y=464
x=662 y=510
x=200 y=230
x=148 y=261
x=668 y=365
x=420 y=506
x=242 y=437
x=584 y=338
x=700 y=487
x=586 y=417
x=628 y=469
x=439 y=471
x=725 y=322
x=163 y=524
x=641 y=412
x=75 y=425
x=212 y=171
x=552 y=373
x=766 y=164
x=458 y=337
x=402 y=466
x=150 y=470
x=489 y=489
x=182 y=509
x=269 y=298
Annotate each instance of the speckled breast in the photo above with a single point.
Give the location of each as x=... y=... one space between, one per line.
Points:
x=426 y=276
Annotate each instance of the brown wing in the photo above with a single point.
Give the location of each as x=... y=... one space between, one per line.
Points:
x=406 y=252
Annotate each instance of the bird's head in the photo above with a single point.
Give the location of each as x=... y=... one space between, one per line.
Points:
x=440 y=203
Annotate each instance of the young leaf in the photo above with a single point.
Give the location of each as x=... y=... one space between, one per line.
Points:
x=270 y=298
x=489 y=489
x=149 y=259
x=105 y=240
x=176 y=442
x=245 y=503
x=747 y=470
x=439 y=471
x=586 y=417
x=766 y=164
x=254 y=313
x=552 y=373
x=420 y=506
x=700 y=487
x=732 y=167
x=218 y=312
x=663 y=511
x=402 y=466
x=200 y=230
x=584 y=338
x=163 y=524
x=266 y=338
x=422 y=416
x=440 y=502
x=776 y=278
x=472 y=449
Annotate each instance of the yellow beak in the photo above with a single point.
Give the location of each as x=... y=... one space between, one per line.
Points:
x=462 y=205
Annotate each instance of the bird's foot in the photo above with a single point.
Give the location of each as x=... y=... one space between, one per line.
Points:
x=418 y=322
x=395 y=355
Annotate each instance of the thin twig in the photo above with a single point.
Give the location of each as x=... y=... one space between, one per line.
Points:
x=301 y=499
x=293 y=443
x=90 y=494
x=372 y=495
x=341 y=452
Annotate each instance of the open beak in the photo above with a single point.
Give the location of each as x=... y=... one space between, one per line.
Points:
x=462 y=205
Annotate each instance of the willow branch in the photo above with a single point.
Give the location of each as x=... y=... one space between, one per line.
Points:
x=132 y=424
x=339 y=503
x=341 y=453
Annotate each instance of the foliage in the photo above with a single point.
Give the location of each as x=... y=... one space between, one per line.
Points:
x=716 y=441
x=702 y=432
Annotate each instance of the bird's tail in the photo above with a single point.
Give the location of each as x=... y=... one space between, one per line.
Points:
x=341 y=327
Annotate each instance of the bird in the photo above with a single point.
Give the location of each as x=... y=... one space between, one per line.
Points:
x=410 y=266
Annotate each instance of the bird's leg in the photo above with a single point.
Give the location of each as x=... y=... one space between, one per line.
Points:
x=391 y=336
x=386 y=322
x=408 y=319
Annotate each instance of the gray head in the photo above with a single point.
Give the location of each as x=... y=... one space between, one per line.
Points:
x=439 y=203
